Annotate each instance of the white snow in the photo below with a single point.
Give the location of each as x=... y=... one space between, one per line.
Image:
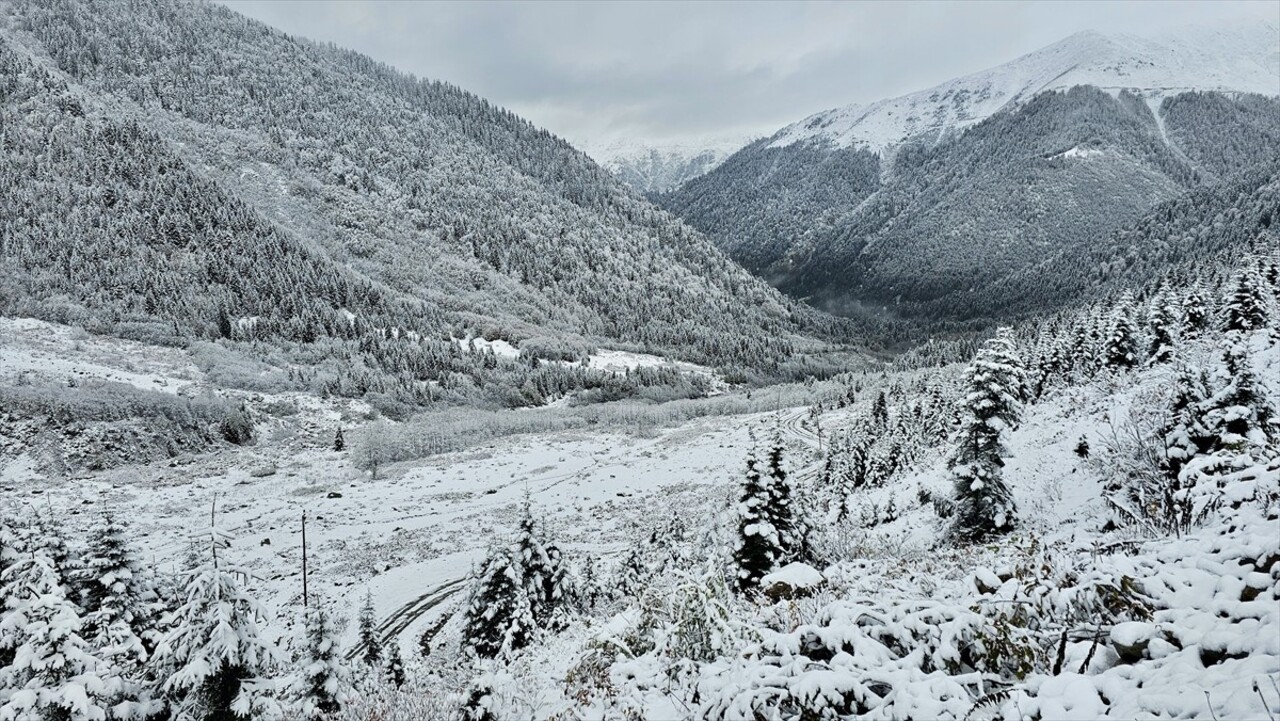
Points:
x=660 y=166
x=35 y=350
x=1235 y=57
x=500 y=347
x=1078 y=153
x=611 y=153
x=620 y=361
x=795 y=575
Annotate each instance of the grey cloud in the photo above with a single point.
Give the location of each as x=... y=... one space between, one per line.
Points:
x=666 y=70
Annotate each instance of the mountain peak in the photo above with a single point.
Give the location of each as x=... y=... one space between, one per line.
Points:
x=1231 y=56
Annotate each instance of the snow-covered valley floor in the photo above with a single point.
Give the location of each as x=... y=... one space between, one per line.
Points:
x=896 y=608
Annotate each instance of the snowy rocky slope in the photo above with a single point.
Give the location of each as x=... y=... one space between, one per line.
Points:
x=1243 y=58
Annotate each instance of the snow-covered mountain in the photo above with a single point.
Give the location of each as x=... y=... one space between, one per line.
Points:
x=904 y=207
x=1243 y=57
x=661 y=167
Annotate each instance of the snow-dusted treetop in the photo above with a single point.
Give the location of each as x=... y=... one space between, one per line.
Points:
x=1234 y=57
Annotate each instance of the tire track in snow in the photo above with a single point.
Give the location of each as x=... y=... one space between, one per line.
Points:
x=401 y=618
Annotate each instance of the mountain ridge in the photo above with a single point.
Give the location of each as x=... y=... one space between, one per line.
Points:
x=1163 y=65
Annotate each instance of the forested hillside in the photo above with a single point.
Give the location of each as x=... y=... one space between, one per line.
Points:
x=236 y=183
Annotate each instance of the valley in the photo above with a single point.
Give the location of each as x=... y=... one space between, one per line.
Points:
x=331 y=392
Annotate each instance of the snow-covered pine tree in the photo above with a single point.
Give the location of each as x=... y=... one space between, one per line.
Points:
x=1238 y=414
x=339 y=442
x=393 y=665
x=1195 y=312
x=45 y=536
x=1160 y=324
x=367 y=629
x=1269 y=272
x=1246 y=306
x=880 y=411
x=559 y=592
x=984 y=503
x=589 y=589
x=499 y=618
x=1185 y=435
x=630 y=577
x=783 y=507
x=52 y=672
x=479 y=702
x=1098 y=327
x=759 y=545
x=847 y=475
x=323 y=685
x=533 y=563
x=216 y=664
x=10 y=542
x=1120 y=349
x=121 y=607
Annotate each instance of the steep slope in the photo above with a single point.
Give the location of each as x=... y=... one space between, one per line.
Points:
x=233 y=181
x=916 y=207
x=659 y=168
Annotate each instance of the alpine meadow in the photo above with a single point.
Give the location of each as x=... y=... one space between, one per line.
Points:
x=558 y=361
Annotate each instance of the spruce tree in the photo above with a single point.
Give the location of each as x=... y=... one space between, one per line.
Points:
x=848 y=469
x=589 y=591
x=1079 y=358
x=1120 y=350
x=217 y=665
x=1245 y=308
x=52 y=672
x=121 y=606
x=1160 y=323
x=630 y=576
x=339 y=442
x=1195 y=312
x=783 y=507
x=533 y=563
x=393 y=665
x=560 y=594
x=1185 y=435
x=880 y=411
x=499 y=618
x=984 y=503
x=480 y=700
x=367 y=624
x=1238 y=413
x=520 y=589
x=44 y=535
x=759 y=545
x=324 y=683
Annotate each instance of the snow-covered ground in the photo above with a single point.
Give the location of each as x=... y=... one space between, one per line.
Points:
x=900 y=608
x=34 y=350
x=410 y=536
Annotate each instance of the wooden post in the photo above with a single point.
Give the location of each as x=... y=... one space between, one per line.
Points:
x=304 y=559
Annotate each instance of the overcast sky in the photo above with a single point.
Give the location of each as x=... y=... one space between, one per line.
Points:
x=651 y=71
